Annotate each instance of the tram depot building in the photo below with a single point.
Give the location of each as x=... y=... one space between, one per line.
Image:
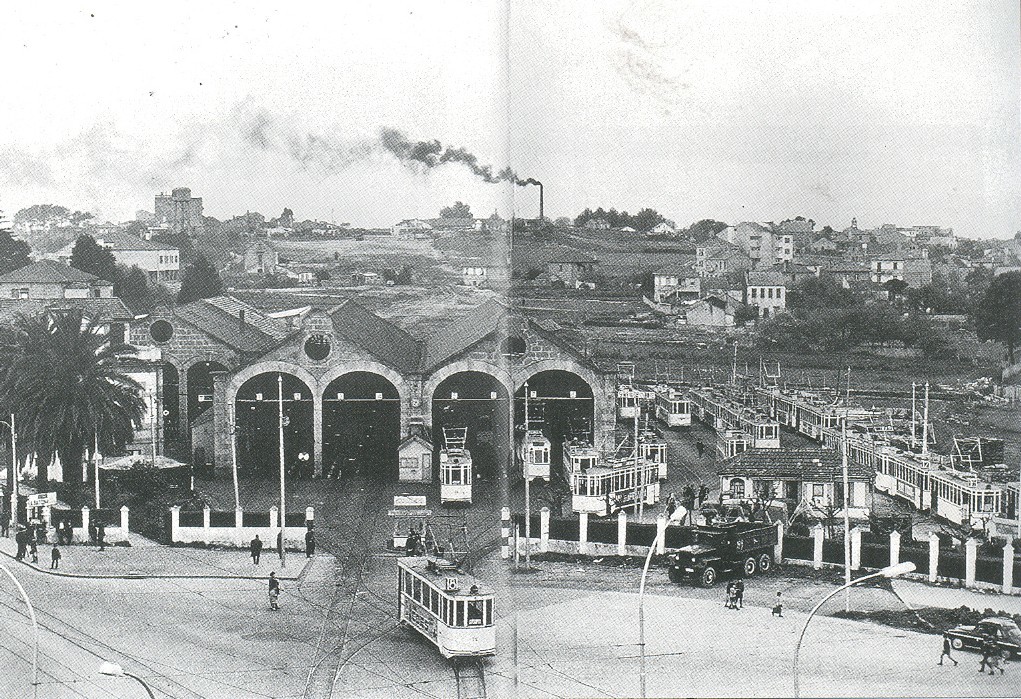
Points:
x=354 y=387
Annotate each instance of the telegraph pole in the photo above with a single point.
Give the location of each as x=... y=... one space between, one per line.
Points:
x=526 y=468
x=283 y=513
x=847 y=498
x=234 y=453
x=14 y=475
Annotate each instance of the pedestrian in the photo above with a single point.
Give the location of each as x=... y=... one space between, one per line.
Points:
x=256 y=548
x=68 y=533
x=700 y=448
x=703 y=493
x=92 y=531
x=989 y=650
x=280 y=541
x=33 y=547
x=55 y=558
x=21 y=539
x=688 y=497
x=101 y=535
x=274 y=591
x=730 y=596
x=310 y=544
x=671 y=505
x=778 y=607
x=5 y=526
x=946 y=652
x=739 y=594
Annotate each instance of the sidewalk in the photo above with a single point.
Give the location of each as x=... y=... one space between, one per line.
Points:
x=157 y=561
x=919 y=594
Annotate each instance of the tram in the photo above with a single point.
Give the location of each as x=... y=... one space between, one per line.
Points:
x=627 y=401
x=455 y=466
x=731 y=443
x=602 y=490
x=652 y=448
x=962 y=498
x=579 y=455
x=453 y=610
x=673 y=409
x=535 y=455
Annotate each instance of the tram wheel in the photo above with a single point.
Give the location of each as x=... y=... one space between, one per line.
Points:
x=708 y=576
x=765 y=563
x=749 y=566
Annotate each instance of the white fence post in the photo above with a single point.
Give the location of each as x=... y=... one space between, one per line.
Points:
x=544 y=516
x=778 y=549
x=583 y=533
x=310 y=515
x=505 y=533
x=894 y=547
x=85 y=525
x=622 y=533
x=125 y=522
x=206 y=538
x=817 y=532
x=175 y=523
x=274 y=523
x=970 y=556
x=661 y=533
x=855 y=548
x=239 y=523
x=933 y=556
x=1008 y=568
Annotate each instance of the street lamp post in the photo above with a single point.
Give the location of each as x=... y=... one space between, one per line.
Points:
x=887 y=572
x=115 y=670
x=13 y=483
x=677 y=516
x=283 y=513
x=35 y=628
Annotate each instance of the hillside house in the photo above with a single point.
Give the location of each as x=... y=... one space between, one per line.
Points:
x=717 y=258
x=766 y=291
x=161 y=262
x=663 y=228
x=597 y=224
x=763 y=245
x=712 y=311
x=673 y=284
x=411 y=228
x=806 y=480
x=915 y=271
x=571 y=267
x=49 y=279
x=261 y=258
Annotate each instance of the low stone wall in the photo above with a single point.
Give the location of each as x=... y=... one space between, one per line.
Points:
x=239 y=535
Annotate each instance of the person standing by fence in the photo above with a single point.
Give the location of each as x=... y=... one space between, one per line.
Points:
x=256 y=549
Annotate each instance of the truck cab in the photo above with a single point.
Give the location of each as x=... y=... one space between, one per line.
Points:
x=743 y=547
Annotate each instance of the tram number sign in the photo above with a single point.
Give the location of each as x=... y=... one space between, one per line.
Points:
x=450 y=584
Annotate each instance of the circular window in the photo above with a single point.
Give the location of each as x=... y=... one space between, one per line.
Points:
x=317 y=347
x=161 y=331
x=514 y=346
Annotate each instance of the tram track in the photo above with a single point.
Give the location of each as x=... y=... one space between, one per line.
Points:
x=470 y=675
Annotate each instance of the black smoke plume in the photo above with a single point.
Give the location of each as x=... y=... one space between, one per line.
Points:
x=431 y=154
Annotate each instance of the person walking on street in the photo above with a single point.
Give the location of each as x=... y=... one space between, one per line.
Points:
x=739 y=594
x=256 y=548
x=946 y=652
x=5 y=525
x=22 y=541
x=671 y=505
x=989 y=651
x=33 y=547
x=778 y=607
x=274 y=592
x=310 y=544
x=55 y=558
x=700 y=448
x=730 y=596
x=280 y=541
x=101 y=535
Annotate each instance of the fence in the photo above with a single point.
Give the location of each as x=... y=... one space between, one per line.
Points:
x=83 y=522
x=237 y=527
x=995 y=570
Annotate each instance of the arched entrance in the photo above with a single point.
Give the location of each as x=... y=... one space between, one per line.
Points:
x=257 y=410
x=480 y=402
x=361 y=426
x=200 y=387
x=171 y=403
x=562 y=403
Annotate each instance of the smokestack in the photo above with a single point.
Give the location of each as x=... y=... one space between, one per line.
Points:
x=540 y=203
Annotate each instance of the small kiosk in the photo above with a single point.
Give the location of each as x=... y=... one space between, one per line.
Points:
x=415 y=458
x=455 y=466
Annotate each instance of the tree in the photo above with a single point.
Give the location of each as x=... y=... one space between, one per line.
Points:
x=706 y=229
x=896 y=287
x=65 y=382
x=13 y=252
x=132 y=286
x=458 y=210
x=820 y=293
x=89 y=257
x=746 y=313
x=201 y=281
x=998 y=316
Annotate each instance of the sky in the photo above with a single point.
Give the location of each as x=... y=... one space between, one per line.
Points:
x=906 y=112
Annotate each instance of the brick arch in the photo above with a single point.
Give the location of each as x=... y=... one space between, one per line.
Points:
x=347 y=367
x=448 y=370
x=523 y=373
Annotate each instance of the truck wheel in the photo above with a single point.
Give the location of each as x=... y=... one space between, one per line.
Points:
x=708 y=576
x=956 y=643
x=749 y=566
x=765 y=563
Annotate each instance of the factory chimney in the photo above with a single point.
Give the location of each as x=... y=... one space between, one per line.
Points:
x=540 y=203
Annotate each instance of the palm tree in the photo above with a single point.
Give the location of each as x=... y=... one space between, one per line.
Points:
x=64 y=380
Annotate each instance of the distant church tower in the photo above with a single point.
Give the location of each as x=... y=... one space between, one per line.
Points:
x=854 y=222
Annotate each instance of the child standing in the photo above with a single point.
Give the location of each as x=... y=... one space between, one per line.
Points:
x=778 y=607
x=55 y=558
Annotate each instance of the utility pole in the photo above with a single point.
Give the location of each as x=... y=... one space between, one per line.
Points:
x=152 y=426
x=638 y=488
x=527 y=470
x=95 y=464
x=283 y=513
x=925 y=422
x=234 y=452
x=914 y=414
x=847 y=498
x=14 y=475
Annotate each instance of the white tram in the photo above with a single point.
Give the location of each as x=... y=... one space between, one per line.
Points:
x=455 y=466
x=672 y=407
x=652 y=448
x=602 y=490
x=731 y=443
x=451 y=609
x=962 y=498
x=627 y=401
x=579 y=455
x=536 y=450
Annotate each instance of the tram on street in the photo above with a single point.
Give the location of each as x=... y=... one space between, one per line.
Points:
x=452 y=610
x=673 y=408
x=535 y=453
x=627 y=401
x=731 y=443
x=455 y=466
x=602 y=490
x=579 y=455
x=652 y=448
x=963 y=498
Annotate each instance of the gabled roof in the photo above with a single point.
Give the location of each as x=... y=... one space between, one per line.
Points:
x=49 y=272
x=379 y=337
x=567 y=256
x=119 y=240
x=822 y=465
x=220 y=317
x=766 y=277
x=104 y=309
x=462 y=333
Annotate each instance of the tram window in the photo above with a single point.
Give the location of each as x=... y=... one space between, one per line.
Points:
x=489 y=612
x=434 y=601
x=476 y=612
x=459 y=621
x=418 y=590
